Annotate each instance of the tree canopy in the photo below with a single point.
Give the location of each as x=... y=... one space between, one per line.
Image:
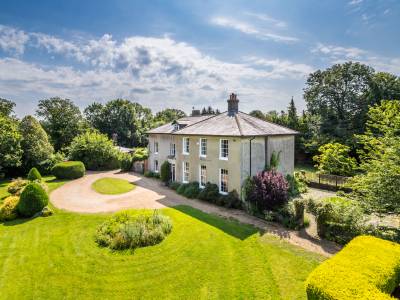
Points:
x=6 y=107
x=10 y=143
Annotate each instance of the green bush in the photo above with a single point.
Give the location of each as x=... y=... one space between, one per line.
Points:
x=181 y=189
x=95 y=150
x=338 y=219
x=126 y=162
x=8 y=209
x=209 y=193
x=165 y=174
x=192 y=190
x=174 y=185
x=140 y=154
x=367 y=268
x=127 y=230
x=231 y=200
x=47 y=165
x=151 y=174
x=297 y=184
x=291 y=215
x=34 y=175
x=16 y=186
x=69 y=170
x=32 y=200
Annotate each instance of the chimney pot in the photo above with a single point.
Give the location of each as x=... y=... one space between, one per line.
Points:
x=233 y=105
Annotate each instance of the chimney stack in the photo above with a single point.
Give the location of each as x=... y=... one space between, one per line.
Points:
x=233 y=105
x=195 y=112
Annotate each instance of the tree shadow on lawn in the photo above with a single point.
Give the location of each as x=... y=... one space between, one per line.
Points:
x=230 y=226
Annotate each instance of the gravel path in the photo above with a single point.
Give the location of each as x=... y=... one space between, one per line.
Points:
x=78 y=196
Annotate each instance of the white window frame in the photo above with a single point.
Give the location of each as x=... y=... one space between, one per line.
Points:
x=200 y=177
x=220 y=182
x=155 y=147
x=173 y=172
x=220 y=149
x=184 y=171
x=185 y=142
x=172 y=149
x=201 y=147
x=156 y=166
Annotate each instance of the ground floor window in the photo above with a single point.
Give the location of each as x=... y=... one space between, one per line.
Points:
x=155 y=165
x=203 y=176
x=223 y=181
x=185 y=172
x=173 y=175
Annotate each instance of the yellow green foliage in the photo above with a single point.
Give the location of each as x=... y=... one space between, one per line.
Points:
x=367 y=268
x=8 y=210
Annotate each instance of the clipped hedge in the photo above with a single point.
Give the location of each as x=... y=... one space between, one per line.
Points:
x=33 y=199
x=367 y=268
x=34 y=175
x=69 y=170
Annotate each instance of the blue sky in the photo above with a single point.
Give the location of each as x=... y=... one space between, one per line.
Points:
x=186 y=53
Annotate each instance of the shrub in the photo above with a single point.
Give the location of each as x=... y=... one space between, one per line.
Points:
x=32 y=200
x=165 y=174
x=95 y=150
x=126 y=162
x=16 y=186
x=231 y=200
x=69 y=170
x=192 y=190
x=291 y=215
x=47 y=165
x=367 y=268
x=297 y=184
x=151 y=174
x=8 y=210
x=34 y=175
x=140 y=154
x=126 y=230
x=174 y=185
x=338 y=219
x=270 y=190
x=334 y=159
x=181 y=189
x=47 y=211
x=209 y=193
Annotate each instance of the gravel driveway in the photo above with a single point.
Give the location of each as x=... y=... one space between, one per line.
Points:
x=78 y=196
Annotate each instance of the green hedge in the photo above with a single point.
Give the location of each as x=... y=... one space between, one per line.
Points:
x=367 y=268
x=69 y=170
x=34 y=175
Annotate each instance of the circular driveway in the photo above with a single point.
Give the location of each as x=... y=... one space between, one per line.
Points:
x=78 y=195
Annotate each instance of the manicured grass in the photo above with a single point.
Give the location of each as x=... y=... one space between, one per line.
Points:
x=204 y=257
x=112 y=186
x=305 y=167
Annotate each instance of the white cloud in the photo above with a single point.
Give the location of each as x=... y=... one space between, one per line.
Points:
x=338 y=51
x=355 y=2
x=268 y=19
x=250 y=29
x=12 y=39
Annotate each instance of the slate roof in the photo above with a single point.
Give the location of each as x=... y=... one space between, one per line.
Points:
x=240 y=124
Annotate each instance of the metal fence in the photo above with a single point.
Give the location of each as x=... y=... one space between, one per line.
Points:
x=325 y=181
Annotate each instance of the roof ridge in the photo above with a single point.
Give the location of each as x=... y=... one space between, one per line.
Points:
x=205 y=119
x=238 y=124
x=272 y=123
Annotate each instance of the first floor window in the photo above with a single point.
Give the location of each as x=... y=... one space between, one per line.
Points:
x=172 y=149
x=185 y=172
x=155 y=147
x=156 y=165
x=185 y=146
x=223 y=149
x=223 y=181
x=203 y=176
x=203 y=147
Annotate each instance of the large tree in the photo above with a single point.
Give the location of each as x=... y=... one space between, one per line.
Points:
x=169 y=115
x=6 y=107
x=292 y=117
x=126 y=120
x=35 y=143
x=61 y=119
x=339 y=95
x=10 y=143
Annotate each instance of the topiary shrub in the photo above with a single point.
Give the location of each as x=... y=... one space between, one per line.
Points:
x=16 y=186
x=174 y=185
x=231 y=200
x=47 y=165
x=209 y=193
x=165 y=172
x=367 y=268
x=69 y=170
x=128 y=230
x=192 y=190
x=8 y=210
x=270 y=190
x=32 y=200
x=34 y=175
x=181 y=189
x=126 y=162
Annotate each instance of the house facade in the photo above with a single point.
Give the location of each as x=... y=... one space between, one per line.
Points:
x=223 y=149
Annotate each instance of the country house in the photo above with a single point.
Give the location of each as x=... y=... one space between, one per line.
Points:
x=223 y=149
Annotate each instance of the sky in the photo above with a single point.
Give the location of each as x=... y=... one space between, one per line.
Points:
x=185 y=54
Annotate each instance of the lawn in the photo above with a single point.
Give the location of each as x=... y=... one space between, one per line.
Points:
x=112 y=186
x=204 y=257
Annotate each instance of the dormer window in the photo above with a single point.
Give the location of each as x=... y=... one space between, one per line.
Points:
x=176 y=126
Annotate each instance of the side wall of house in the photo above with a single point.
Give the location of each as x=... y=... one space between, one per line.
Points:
x=283 y=144
x=257 y=156
x=164 y=141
